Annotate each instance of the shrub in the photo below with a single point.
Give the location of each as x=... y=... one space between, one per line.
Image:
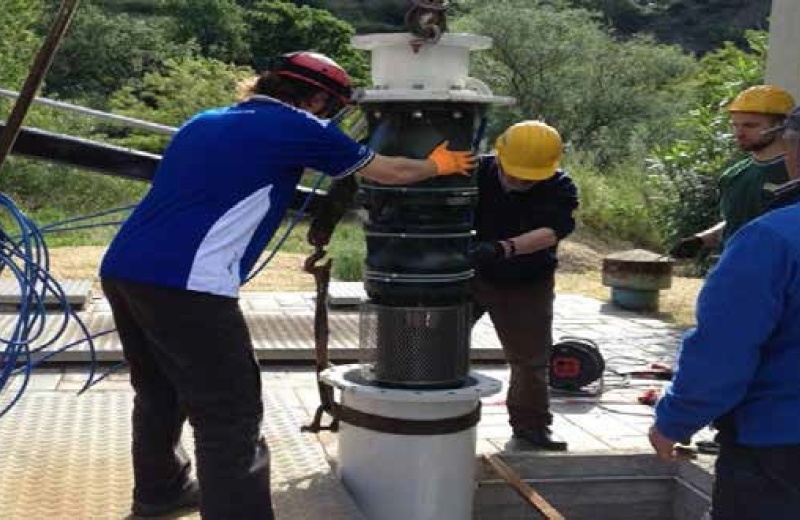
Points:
x=348 y=250
x=616 y=204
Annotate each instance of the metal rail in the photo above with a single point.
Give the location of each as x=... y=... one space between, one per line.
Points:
x=124 y=120
x=112 y=160
x=85 y=154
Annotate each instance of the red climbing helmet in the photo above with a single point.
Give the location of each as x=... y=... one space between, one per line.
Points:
x=316 y=69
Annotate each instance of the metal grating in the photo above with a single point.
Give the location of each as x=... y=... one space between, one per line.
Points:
x=277 y=336
x=417 y=346
x=77 y=292
x=282 y=329
x=290 y=336
x=346 y=294
x=67 y=457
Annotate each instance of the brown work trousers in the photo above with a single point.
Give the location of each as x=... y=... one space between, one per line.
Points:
x=523 y=319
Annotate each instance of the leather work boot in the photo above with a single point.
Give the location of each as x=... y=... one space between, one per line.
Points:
x=187 y=500
x=540 y=438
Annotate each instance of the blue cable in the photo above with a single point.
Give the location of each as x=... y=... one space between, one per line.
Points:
x=26 y=259
x=81 y=218
x=85 y=226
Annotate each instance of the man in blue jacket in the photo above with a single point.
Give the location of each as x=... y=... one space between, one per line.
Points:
x=741 y=367
x=525 y=207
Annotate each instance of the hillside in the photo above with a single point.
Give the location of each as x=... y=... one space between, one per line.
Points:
x=696 y=25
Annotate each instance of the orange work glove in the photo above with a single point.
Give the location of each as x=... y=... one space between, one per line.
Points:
x=449 y=162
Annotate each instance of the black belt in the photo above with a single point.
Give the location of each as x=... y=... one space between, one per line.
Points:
x=396 y=426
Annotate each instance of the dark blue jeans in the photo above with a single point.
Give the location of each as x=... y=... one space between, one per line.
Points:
x=190 y=356
x=757 y=483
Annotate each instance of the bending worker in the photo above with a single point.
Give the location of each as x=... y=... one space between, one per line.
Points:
x=525 y=207
x=740 y=367
x=745 y=188
x=172 y=277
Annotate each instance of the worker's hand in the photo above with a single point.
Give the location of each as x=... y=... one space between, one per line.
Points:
x=449 y=162
x=687 y=247
x=665 y=448
x=483 y=253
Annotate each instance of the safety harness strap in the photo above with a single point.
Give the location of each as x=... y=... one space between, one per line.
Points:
x=396 y=426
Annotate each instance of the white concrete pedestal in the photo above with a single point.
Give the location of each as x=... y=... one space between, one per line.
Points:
x=403 y=477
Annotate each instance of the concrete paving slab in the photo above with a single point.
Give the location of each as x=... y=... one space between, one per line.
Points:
x=346 y=294
x=76 y=292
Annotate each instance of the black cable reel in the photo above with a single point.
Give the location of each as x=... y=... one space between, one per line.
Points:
x=574 y=363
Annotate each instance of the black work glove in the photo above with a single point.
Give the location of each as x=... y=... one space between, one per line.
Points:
x=687 y=247
x=483 y=253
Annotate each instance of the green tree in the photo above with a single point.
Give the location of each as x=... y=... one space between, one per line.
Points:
x=697 y=25
x=704 y=25
x=626 y=16
x=186 y=86
x=278 y=27
x=564 y=66
x=133 y=7
x=102 y=51
x=19 y=42
x=365 y=16
x=218 y=27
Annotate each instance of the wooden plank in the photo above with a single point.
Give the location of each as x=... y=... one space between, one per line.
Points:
x=522 y=488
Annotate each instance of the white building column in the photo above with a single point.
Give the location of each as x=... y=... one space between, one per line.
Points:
x=783 y=58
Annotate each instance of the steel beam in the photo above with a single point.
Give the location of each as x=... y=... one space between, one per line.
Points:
x=108 y=159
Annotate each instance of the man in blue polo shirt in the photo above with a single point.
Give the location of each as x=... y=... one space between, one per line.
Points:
x=172 y=277
x=741 y=367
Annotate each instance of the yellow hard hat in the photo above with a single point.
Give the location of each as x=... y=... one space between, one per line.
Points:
x=529 y=150
x=763 y=99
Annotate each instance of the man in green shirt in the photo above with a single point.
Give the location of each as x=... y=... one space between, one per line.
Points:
x=745 y=187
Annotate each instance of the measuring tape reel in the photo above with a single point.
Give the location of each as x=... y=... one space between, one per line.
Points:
x=574 y=363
